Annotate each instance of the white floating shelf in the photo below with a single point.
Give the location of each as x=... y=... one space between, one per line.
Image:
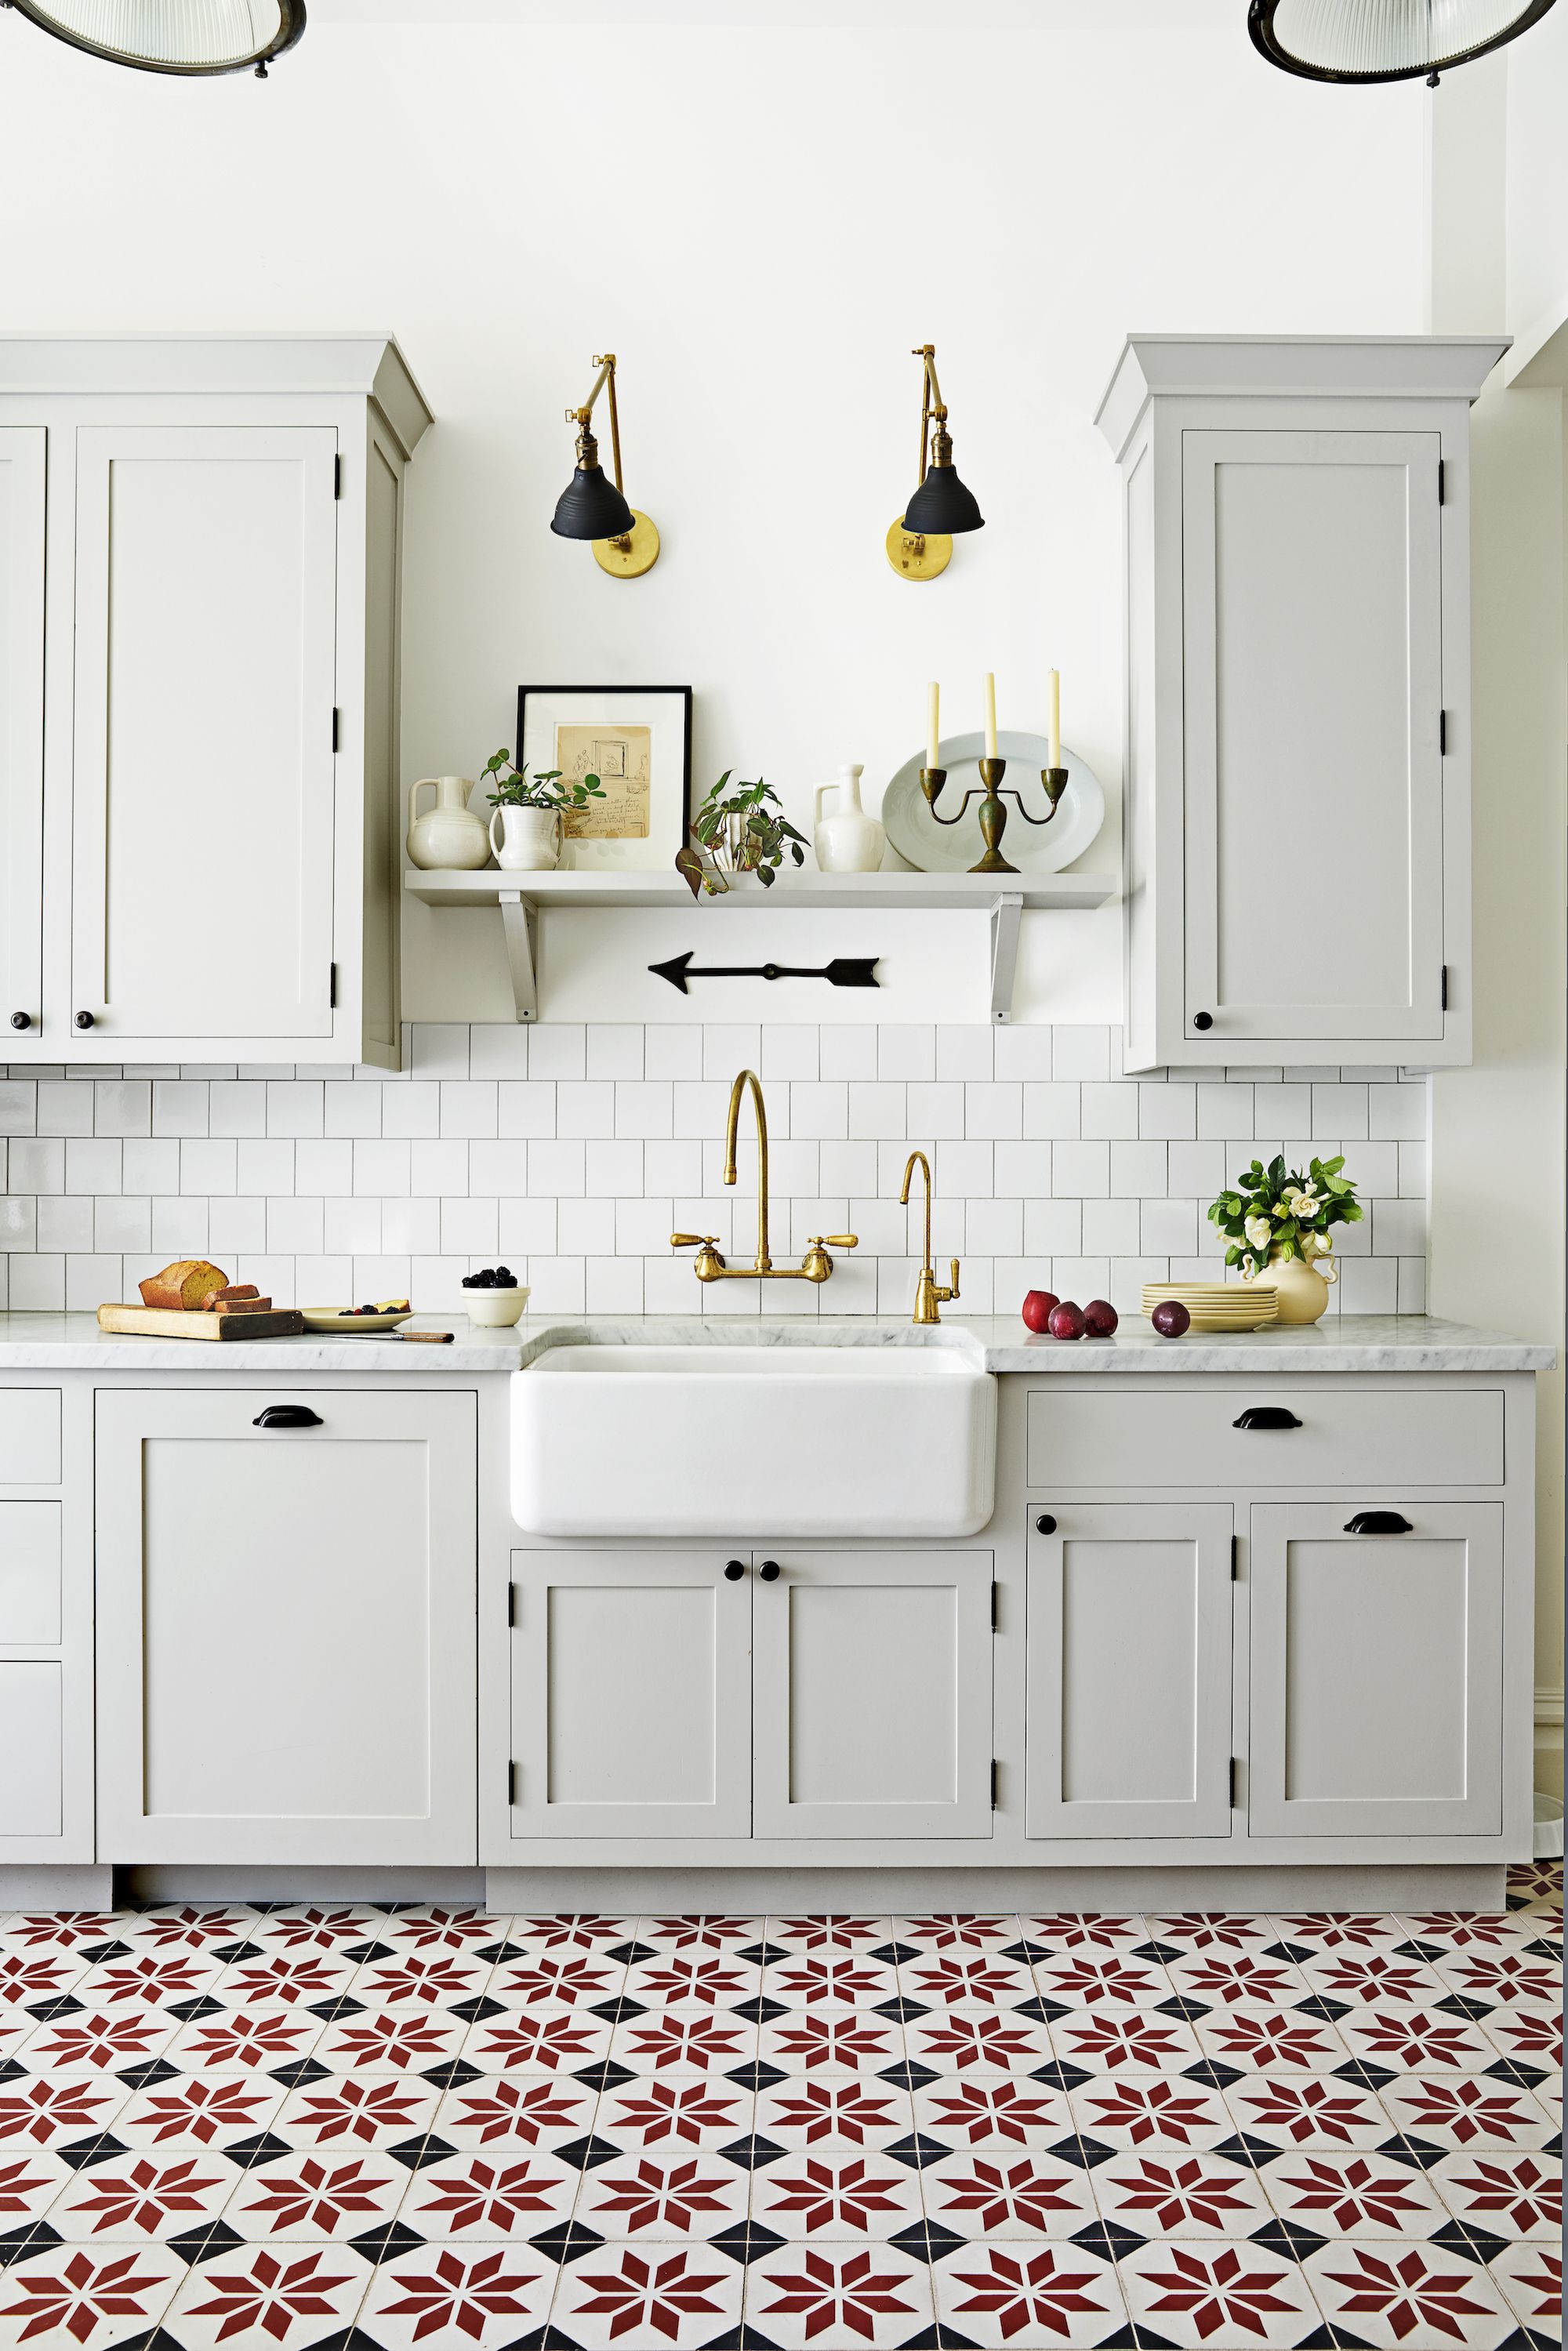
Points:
x=1003 y=896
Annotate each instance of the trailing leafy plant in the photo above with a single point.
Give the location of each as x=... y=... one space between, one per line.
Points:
x=1275 y=1212
x=547 y=790
x=739 y=829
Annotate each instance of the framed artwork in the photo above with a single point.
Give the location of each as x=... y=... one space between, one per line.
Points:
x=637 y=739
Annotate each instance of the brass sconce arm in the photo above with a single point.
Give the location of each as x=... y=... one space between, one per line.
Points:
x=932 y=409
x=582 y=417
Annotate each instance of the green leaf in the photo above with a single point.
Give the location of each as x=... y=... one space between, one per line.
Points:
x=765 y=875
x=689 y=865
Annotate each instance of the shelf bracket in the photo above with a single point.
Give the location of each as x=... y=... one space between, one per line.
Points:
x=519 y=920
x=1005 y=913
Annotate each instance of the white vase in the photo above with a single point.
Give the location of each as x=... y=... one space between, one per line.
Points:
x=448 y=838
x=847 y=841
x=1303 y=1292
x=530 y=839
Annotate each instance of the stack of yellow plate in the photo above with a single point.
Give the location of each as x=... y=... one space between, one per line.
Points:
x=1218 y=1305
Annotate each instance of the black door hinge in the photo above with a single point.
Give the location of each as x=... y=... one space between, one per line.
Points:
x=996 y=1606
x=1442 y=734
x=1233 y=1771
x=995 y=1782
x=338 y=479
x=511 y=1607
x=1439 y=481
x=334 y=727
x=1235 y=1554
x=331 y=988
x=512 y=1785
x=1445 y=987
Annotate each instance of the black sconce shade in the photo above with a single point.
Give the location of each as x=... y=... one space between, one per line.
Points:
x=942 y=504
x=590 y=506
x=1384 y=40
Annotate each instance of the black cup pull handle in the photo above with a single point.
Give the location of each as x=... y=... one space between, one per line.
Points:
x=85 y=1020
x=768 y=1571
x=734 y=1569
x=1045 y=1524
x=21 y=1019
x=1378 y=1522
x=286 y=1415
x=1203 y=1020
x=1265 y=1416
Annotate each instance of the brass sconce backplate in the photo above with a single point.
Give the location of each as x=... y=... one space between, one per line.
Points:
x=628 y=558
x=917 y=555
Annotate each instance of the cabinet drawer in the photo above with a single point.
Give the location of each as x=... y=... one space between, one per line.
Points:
x=29 y=1436
x=1194 y=1436
x=29 y=1572
x=30 y=1750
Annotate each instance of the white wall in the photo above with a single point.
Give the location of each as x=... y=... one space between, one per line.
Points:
x=761 y=223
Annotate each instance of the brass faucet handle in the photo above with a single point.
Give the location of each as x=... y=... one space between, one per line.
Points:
x=834 y=1241
x=694 y=1240
x=946 y=1296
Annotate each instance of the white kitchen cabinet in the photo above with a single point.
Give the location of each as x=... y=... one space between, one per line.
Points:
x=1129 y=1667
x=1296 y=850
x=45 y=1626
x=630 y=1701
x=871 y=1693
x=1376 y=1669
x=208 y=657
x=22 y=460
x=286 y=1625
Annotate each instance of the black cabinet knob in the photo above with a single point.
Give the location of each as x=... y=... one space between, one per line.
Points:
x=286 y=1415
x=84 y=1020
x=1203 y=1020
x=21 y=1019
x=768 y=1571
x=734 y=1569
x=1265 y=1416
x=1378 y=1522
x=1045 y=1524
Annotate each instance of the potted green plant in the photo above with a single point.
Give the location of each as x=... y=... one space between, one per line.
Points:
x=739 y=829
x=528 y=809
x=1278 y=1223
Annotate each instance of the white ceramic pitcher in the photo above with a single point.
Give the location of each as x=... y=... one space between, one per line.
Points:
x=530 y=839
x=847 y=841
x=448 y=838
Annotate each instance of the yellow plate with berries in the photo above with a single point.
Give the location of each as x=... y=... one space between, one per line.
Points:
x=353 y=1323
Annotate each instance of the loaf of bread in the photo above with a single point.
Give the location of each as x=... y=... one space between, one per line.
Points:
x=240 y=1306
x=185 y=1286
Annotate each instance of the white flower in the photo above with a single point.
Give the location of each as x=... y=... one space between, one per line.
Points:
x=1316 y=1245
x=1256 y=1231
x=1303 y=1203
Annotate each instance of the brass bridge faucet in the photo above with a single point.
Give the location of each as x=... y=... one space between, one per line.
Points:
x=929 y=1293
x=709 y=1266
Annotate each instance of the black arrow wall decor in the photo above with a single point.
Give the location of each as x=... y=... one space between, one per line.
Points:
x=845 y=971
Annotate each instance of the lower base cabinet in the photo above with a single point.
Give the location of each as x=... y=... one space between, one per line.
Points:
x=1129 y=1664
x=1376 y=1669
x=810 y=1694
x=285 y=1626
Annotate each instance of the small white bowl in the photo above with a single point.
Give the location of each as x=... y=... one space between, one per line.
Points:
x=496 y=1310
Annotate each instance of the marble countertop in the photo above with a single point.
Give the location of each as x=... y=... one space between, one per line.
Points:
x=1351 y=1342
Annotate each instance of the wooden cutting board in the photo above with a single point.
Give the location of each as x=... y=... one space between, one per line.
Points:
x=169 y=1322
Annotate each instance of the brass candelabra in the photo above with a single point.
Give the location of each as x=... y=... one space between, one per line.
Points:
x=993 y=798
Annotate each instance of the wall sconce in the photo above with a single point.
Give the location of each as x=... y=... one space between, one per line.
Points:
x=920 y=543
x=625 y=543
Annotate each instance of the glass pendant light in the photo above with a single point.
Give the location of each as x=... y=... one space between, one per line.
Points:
x=173 y=36
x=1384 y=40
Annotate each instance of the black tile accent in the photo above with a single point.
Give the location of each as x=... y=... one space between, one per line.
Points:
x=21 y=2244
x=1288 y=2239
x=142 y=2077
x=896 y=1955
x=1107 y=2239
x=901 y=2009
x=567 y=2242
x=759 y=2010
x=627 y=1953
x=927 y=2240
x=1211 y=2070
x=907 y=2074
x=385 y=2242
x=588 y=2153
x=80 y=2153
x=1057 y=2075
x=1038 y=2010
x=452 y=2073
x=263 y=2148
x=474 y=2009
x=917 y=2151
x=417 y=2154
x=756 y=2073
x=297 y=2073
x=50 y=2012
x=753 y=2152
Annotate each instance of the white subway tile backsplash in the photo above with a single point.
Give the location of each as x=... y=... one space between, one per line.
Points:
x=573 y=1152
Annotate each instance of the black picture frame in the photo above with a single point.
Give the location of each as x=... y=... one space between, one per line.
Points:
x=660 y=854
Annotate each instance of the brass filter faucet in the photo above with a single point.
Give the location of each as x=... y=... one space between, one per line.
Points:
x=929 y=1293
x=709 y=1265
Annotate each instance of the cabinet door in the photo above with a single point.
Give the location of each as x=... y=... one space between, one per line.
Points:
x=1313 y=683
x=1128 y=1694
x=1376 y=1706
x=630 y=1698
x=285 y=1627
x=205 y=658
x=872 y=1694
x=22 y=449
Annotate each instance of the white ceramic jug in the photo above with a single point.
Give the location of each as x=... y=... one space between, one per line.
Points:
x=847 y=841
x=448 y=838
x=530 y=839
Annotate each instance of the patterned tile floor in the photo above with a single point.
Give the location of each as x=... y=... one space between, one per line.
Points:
x=351 y=2128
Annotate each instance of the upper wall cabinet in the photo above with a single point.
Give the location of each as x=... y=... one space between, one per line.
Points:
x=200 y=549
x=1298 y=713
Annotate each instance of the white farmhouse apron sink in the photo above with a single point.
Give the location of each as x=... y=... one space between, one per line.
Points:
x=733 y=1442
